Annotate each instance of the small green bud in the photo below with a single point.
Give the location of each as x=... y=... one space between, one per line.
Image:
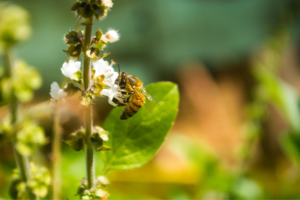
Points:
x=98 y=11
x=5 y=125
x=74 y=51
x=39 y=181
x=93 y=71
x=100 y=44
x=80 y=190
x=96 y=140
x=98 y=85
x=14 y=26
x=72 y=38
x=29 y=138
x=99 y=79
x=87 y=99
x=75 y=6
x=77 y=77
x=102 y=133
x=93 y=53
x=85 y=10
x=99 y=35
x=97 y=89
x=76 y=141
x=6 y=86
x=98 y=137
x=13 y=191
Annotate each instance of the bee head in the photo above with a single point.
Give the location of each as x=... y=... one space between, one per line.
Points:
x=121 y=80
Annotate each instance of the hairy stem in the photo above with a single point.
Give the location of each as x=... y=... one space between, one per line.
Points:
x=88 y=110
x=22 y=162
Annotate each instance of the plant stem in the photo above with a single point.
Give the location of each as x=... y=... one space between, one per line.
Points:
x=56 y=148
x=88 y=110
x=22 y=162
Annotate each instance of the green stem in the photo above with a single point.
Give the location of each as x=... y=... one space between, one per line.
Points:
x=88 y=111
x=22 y=162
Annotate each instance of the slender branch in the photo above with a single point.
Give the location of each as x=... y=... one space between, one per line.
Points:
x=22 y=162
x=88 y=111
x=56 y=157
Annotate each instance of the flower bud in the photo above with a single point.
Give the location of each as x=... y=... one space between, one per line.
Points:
x=74 y=51
x=76 y=141
x=93 y=53
x=99 y=34
x=102 y=133
x=13 y=189
x=14 y=26
x=87 y=99
x=110 y=36
x=98 y=11
x=86 y=11
x=96 y=140
x=93 y=71
x=99 y=135
x=102 y=180
x=72 y=38
x=77 y=77
x=107 y=3
x=98 y=88
x=75 y=6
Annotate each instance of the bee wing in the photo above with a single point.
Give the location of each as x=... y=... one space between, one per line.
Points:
x=148 y=95
x=149 y=99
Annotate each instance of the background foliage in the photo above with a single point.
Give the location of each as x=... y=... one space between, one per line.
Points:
x=237 y=67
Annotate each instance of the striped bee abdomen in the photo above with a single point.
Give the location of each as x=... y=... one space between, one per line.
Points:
x=133 y=106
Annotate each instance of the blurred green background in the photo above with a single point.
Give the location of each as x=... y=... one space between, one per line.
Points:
x=156 y=36
x=235 y=135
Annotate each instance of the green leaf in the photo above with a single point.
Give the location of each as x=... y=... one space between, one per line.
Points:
x=135 y=141
x=291 y=145
x=283 y=95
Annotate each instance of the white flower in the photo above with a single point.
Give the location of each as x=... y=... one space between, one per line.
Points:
x=110 y=36
x=70 y=68
x=111 y=78
x=103 y=180
x=102 y=67
x=107 y=3
x=112 y=92
x=57 y=93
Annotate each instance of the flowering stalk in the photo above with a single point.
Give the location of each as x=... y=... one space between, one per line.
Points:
x=88 y=110
x=90 y=82
x=22 y=162
x=56 y=148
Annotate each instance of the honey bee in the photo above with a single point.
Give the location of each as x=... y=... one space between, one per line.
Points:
x=133 y=95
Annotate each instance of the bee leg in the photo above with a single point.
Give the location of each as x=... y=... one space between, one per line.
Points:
x=123 y=93
x=118 y=103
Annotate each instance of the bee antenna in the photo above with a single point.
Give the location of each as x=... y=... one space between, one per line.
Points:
x=119 y=68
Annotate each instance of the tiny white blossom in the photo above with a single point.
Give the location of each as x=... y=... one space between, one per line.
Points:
x=103 y=180
x=107 y=3
x=70 y=68
x=110 y=36
x=57 y=93
x=104 y=136
x=110 y=93
x=102 y=67
x=111 y=78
